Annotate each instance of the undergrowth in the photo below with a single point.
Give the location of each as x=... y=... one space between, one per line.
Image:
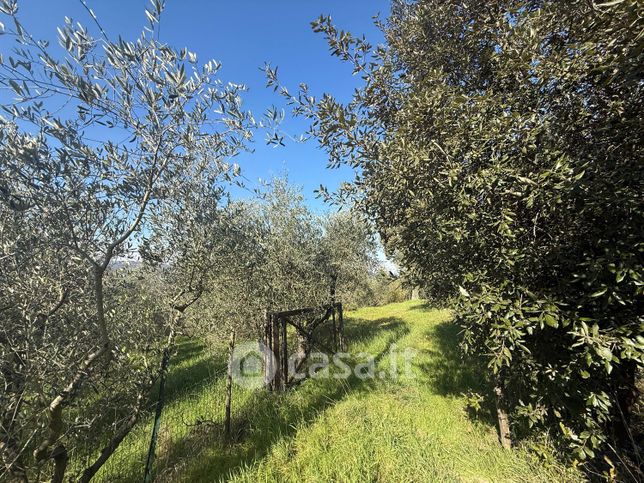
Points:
x=412 y=428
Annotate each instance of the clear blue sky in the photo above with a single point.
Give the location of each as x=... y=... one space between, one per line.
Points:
x=243 y=35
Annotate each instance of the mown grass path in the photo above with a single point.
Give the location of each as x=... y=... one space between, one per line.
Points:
x=411 y=428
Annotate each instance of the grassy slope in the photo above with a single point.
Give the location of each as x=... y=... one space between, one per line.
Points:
x=410 y=429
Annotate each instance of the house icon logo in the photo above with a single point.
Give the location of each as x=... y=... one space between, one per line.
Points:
x=253 y=365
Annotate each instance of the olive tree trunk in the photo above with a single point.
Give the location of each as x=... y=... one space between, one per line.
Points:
x=502 y=415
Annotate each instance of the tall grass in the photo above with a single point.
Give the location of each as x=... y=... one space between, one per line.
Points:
x=413 y=428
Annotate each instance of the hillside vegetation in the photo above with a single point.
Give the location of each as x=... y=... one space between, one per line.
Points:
x=416 y=428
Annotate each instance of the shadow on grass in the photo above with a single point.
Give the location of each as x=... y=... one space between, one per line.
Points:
x=423 y=307
x=187 y=349
x=267 y=418
x=192 y=367
x=451 y=374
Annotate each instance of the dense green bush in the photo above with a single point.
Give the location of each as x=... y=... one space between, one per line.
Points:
x=498 y=149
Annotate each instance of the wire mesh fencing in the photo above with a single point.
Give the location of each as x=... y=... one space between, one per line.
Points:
x=192 y=401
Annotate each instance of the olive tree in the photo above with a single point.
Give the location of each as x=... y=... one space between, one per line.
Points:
x=306 y=255
x=89 y=144
x=348 y=256
x=497 y=147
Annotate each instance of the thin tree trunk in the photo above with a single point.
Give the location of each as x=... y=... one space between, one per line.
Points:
x=502 y=416
x=335 y=331
x=55 y=410
x=114 y=443
x=229 y=384
x=343 y=344
x=56 y=406
x=60 y=457
x=334 y=281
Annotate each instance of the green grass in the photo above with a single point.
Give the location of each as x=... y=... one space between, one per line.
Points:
x=413 y=428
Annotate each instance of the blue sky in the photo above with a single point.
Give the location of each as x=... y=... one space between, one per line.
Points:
x=243 y=35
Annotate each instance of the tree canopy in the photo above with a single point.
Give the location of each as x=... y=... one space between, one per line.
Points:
x=497 y=147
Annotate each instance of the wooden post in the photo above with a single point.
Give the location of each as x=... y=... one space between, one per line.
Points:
x=284 y=355
x=268 y=341
x=502 y=416
x=229 y=383
x=276 y=351
x=343 y=344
